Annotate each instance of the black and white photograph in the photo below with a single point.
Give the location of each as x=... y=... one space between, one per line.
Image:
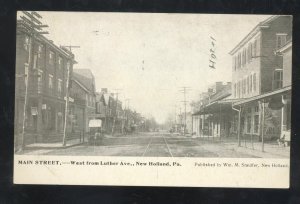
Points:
x=162 y=85
x=153 y=85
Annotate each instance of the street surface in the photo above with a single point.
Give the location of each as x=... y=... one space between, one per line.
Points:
x=154 y=144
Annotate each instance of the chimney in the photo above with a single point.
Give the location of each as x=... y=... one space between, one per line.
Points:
x=104 y=90
x=219 y=86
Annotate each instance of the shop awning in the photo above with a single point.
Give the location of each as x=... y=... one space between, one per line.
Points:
x=217 y=106
x=263 y=96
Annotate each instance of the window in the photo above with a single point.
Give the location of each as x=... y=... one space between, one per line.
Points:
x=26 y=42
x=249 y=52
x=256 y=123
x=239 y=60
x=239 y=85
x=50 y=81
x=40 y=49
x=245 y=56
x=35 y=61
x=233 y=63
x=251 y=78
x=59 y=88
x=277 y=81
x=68 y=65
x=254 y=82
x=234 y=91
x=51 y=57
x=280 y=40
x=254 y=49
x=40 y=81
x=60 y=61
x=249 y=124
x=244 y=86
x=248 y=84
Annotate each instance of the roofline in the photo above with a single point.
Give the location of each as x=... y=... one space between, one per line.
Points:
x=253 y=32
x=49 y=42
x=285 y=47
x=81 y=85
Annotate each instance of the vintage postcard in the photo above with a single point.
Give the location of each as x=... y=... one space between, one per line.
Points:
x=153 y=99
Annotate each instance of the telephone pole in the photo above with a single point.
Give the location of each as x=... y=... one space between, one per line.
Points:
x=67 y=94
x=35 y=26
x=184 y=90
x=116 y=114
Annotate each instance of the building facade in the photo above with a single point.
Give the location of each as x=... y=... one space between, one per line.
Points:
x=46 y=67
x=83 y=93
x=257 y=78
x=212 y=119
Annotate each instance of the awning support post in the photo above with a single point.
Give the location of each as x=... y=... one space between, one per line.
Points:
x=263 y=126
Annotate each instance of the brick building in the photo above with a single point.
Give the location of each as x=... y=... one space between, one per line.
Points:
x=45 y=66
x=257 y=78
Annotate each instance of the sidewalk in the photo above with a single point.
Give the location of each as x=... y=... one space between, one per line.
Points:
x=271 y=149
x=56 y=145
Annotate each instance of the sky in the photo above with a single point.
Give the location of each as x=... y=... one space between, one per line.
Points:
x=150 y=56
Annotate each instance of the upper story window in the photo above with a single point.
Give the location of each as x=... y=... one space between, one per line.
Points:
x=59 y=86
x=60 y=62
x=254 y=49
x=249 y=52
x=26 y=42
x=233 y=63
x=254 y=82
x=245 y=56
x=50 y=85
x=51 y=57
x=68 y=66
x=40 y=50
x=280 y=39
x=250 y=85
x=234 y=90
x=277 y=80
x=40 y=81
x=239 y=60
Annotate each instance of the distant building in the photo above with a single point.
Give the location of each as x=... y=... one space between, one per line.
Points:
x=215 y=113
x=83 y=92
x=47 y=66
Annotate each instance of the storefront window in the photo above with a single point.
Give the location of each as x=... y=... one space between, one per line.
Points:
x=256 y=123
x=249 y=124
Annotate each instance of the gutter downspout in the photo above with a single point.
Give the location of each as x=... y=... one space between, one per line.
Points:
x=239 y=123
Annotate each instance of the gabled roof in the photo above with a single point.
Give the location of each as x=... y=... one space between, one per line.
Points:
x=85 y=77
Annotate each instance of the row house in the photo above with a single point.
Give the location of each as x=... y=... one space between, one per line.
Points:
x=109 y=110
x=259 y=82
x=83 y=108
x=46 y=67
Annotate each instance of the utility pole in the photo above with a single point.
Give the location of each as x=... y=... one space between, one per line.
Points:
x=184 y=90
x=31 y=19
x=126 y=112
x=67 y=95
x=117 y=98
